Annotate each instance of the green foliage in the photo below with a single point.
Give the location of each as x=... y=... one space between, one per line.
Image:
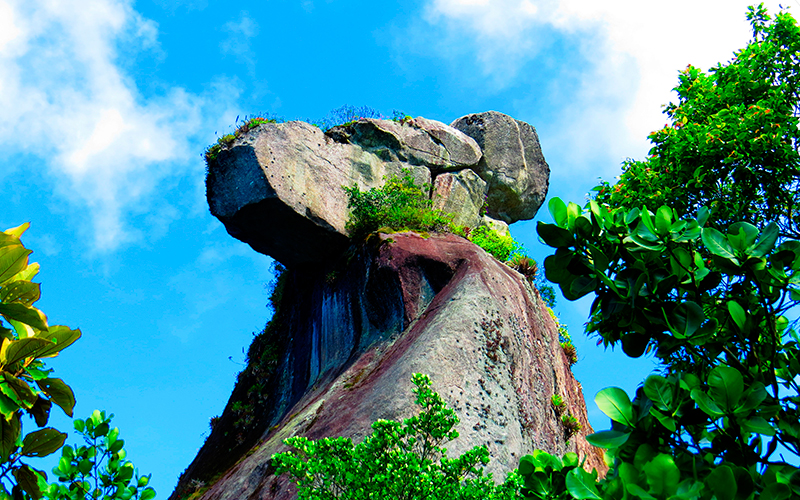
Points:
x=498 y=245
x=549 y=478
x=98 y=469
x=558 y=403
x=731 y=143
x=397 y=205
x=27 y=386
x=708 y=294
x=405 y=460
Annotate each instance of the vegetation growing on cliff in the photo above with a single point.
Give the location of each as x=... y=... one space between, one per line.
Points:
x=693 y=256
x=399 y=460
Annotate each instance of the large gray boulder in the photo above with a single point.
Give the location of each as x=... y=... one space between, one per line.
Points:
x=512 y=164
x=279 y=186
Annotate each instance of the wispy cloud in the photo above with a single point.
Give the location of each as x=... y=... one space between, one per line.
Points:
x=65 y=99
x=629 y=55
x=238 y=42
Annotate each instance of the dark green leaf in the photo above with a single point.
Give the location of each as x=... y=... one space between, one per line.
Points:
x=666 y=420
x=41 y=411
x=722 y=482
x=24 y=314
x=659 y=391
x=148 y=494
x=59 y=393
x=662 y=475
x=615 y=403
x=718 y=244
x=554 y=236
x=61 y=335
x=28 y=481
x=766 y=242
x=18 y=350
x=582 y=485
x=706 y=404
x=13 y=259
x=686 y=319
x=737 y=314
x=725 y=387
x=10 y=430
x=17 y=390
x=23 y=292
x=758 y=425
x=559 y=211
x=42 y=442
x=608 y=439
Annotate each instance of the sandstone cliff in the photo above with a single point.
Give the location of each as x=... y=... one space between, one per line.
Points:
x=356 y=319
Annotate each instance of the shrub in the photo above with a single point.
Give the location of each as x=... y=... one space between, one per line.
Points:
x=405 y=461
x=498 y=245
x=397 y=205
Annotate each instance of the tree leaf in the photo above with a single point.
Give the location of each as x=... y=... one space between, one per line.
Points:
x=722 y=482
x=23 y=292
x=24 y=314
x=10 y=430
x=42 y=442
x=554 y=236
x=706 y=404
x=13 y=259
x=615 y=403
x=717 y=244
x=737 y=314
x=608 y=439
x=765 y=242
x=28 y=481
x=663 y=221
x=559 y=211
x=660 y=392
x=17 y=390
x=582 y=485
x=62 y=337
x=59 y=393
x=662 y=475
x=725 y=387
x=18 y=350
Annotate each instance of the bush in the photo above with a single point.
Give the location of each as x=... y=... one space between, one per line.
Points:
x=397 y=205
x=498 y=245
x=397 y=461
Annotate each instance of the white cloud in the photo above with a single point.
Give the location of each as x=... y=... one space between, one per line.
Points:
x=237 y=44
x=65 y=99
x=635 y=48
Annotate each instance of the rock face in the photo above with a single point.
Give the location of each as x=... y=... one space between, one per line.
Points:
x=279 y=186
x=512 y=164
x=341 y=349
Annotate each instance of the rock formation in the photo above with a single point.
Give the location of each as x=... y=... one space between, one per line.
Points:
x=279 y=187
x=354 y=320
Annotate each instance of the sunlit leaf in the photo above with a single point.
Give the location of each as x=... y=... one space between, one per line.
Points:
x=616 y=404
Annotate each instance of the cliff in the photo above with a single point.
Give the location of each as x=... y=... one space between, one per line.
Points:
x=350 y=329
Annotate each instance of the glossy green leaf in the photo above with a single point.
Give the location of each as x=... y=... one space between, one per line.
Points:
x=10 y=430
x=544 y=460
x=608 y=439
x=706 y=404
x=722 y=482
x=59 y=393
x=666 y=420
x=13 y=259
x=765 y=242
x=148 y=494
x=758 y=425
x=24 y=314
x=558 y=210
x=662 y=475
x=737 y=314
x=554 y=236
x=663 y=221
x=573 y=212
x=42 y=442
x=741 y=236
x=17 y=390
x=582 y=485
x=725 y=387
x=18 y=350
x=616 y=404
x=526 y=465
x=639 y=492
x=28 y=481
x=660 y=392
x=752 y=398
x=686 y=319
x=718 y=244
x=62 y=337
x=23 y=292
x=776 y=491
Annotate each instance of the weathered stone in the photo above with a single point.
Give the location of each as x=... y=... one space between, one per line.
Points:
x=347 y=340
x=279 y=189
x=495 y=225
x=462 y=193
x=512 y=164
x=417 y=142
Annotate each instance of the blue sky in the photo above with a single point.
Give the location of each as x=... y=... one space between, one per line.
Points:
x=107 y=105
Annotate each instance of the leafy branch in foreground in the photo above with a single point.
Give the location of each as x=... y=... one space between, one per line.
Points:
x=399 y=460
